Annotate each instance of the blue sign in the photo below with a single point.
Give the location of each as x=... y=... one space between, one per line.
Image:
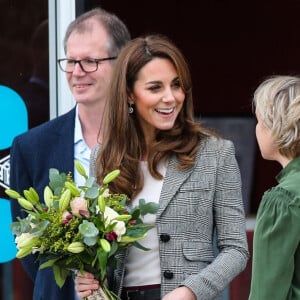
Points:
x=13 y=121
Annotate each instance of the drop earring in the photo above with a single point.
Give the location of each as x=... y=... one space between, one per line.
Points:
x=130 y=109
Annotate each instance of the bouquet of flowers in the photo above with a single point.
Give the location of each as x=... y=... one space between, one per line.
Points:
x=78 y=228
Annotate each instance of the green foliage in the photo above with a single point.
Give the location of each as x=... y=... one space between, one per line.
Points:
x=78 y=227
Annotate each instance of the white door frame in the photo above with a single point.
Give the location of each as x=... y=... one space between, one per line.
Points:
x=61 y=13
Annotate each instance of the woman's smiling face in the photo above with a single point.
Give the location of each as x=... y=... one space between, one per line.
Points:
x=158 y=96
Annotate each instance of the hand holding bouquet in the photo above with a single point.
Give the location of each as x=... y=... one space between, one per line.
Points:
x=78 y=227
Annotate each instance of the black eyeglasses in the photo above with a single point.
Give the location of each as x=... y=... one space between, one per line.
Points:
x=87 y=65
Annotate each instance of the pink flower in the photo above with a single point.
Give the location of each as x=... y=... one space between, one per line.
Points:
x=66 y=217
x=79 y=207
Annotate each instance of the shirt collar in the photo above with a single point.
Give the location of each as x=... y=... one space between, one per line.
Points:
x=292 y=167
x=78 y=131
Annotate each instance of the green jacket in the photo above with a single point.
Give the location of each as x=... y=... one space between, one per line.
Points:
x=276 y=246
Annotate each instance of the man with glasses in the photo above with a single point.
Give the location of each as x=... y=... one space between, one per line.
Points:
x=91 y=44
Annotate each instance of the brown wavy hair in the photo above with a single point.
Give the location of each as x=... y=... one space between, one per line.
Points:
x=123 y=140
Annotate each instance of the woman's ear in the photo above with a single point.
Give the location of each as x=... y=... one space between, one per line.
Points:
x=130 y=99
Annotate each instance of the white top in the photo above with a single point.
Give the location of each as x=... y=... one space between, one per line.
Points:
x=143 y=267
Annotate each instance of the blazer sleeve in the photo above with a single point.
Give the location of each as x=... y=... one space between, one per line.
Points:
x=50 y=145
x=229 y=220
x=19 y=181
x=276 y=246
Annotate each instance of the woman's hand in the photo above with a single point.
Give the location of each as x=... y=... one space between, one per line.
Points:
x=85 y=283
x=181 y=293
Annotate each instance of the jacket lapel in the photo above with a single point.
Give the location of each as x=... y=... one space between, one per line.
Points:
x=173 y=180
x=63 y=138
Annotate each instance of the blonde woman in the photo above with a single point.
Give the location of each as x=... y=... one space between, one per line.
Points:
x=276 y=257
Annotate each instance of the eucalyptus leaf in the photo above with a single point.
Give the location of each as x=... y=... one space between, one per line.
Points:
x=57 y=180
x=43 y=225
x=90 y=241
x=57 y=191
x=53 y=172
x=90 y=182
x=16 y=228
x=149 y=208
x=56 y=204
x=91 y=193
x=98 y=236
x=20 y=227
x=142 y=202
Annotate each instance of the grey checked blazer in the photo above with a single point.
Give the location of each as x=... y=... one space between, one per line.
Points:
x=194 y=203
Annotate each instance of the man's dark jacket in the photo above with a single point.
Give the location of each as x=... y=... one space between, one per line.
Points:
x=50 y=145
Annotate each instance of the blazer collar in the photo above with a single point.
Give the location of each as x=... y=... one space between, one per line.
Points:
x=173 y=180
x=64 y=124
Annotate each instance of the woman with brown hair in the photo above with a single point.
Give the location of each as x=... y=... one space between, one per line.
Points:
x=166 y=157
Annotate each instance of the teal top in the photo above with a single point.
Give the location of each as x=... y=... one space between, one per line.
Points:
x=276 y=245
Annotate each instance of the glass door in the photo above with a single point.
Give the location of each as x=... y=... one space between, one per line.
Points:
x=32 y=91
x=24 y=103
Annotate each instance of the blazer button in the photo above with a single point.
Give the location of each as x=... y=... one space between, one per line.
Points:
x=164 y=237
x=168 y=274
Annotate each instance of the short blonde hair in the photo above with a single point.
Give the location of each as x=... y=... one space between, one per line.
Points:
x=277 y=101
